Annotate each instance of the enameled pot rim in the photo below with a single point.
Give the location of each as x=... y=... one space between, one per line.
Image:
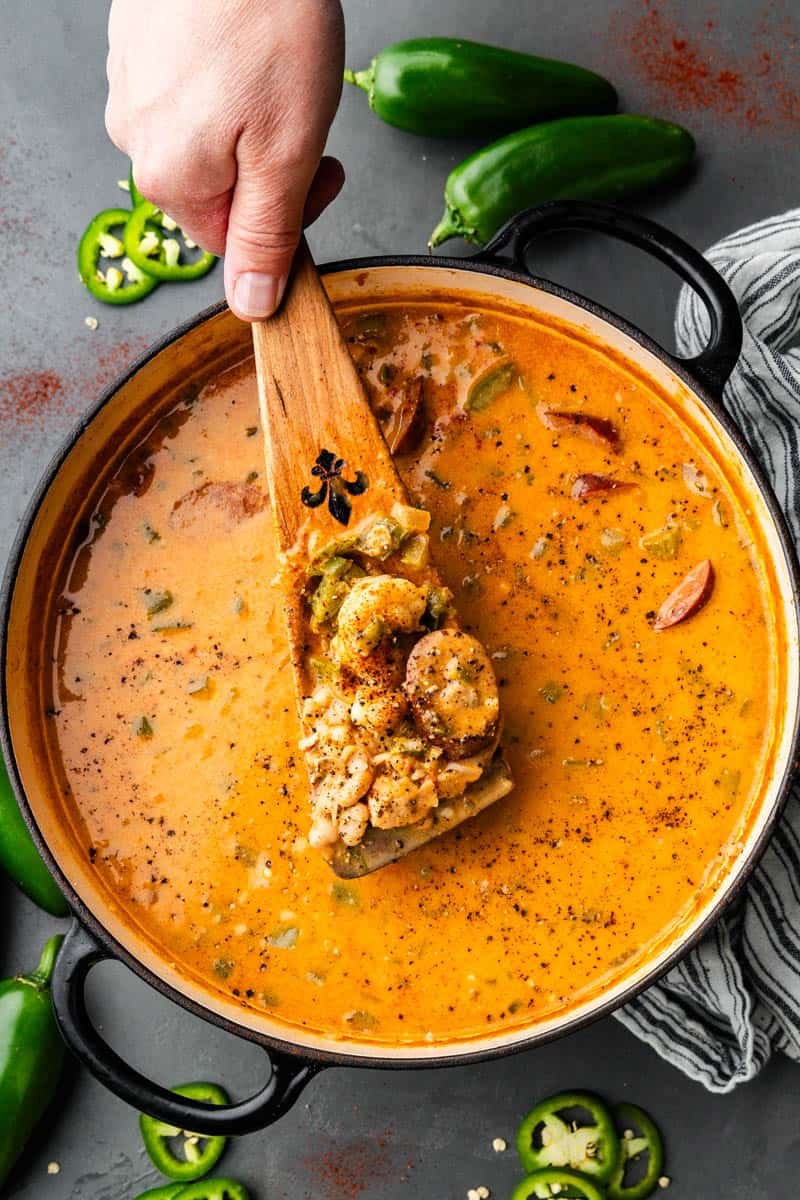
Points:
x=465 y=1052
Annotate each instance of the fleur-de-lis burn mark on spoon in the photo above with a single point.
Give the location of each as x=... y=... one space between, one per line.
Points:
x=328 y=469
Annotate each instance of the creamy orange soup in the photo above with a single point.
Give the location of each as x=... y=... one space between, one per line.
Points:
x=638 y=754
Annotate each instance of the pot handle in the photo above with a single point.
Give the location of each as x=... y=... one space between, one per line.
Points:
x=713 y=366
x=289 y=1075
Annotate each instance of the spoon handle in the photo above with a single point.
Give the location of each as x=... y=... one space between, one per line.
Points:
x=326 y=458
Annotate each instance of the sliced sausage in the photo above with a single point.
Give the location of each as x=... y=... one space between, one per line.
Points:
x=452 y=690
x=404 y=426
x=693 y=591
x=590 y=485
x=230 y=502
x=596 y=429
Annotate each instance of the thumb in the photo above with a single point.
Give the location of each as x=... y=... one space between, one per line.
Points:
x=264 y=227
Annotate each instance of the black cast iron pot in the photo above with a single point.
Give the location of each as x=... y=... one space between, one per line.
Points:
x=214 y=339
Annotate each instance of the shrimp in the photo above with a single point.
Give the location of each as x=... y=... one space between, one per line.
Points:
x=402 y=795
x=374 y=608
x=353 y=824
x=380 y=712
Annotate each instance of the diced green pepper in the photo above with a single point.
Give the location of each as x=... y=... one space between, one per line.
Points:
x=416 y=551
x=323 y=670
x=371 y=635
x=157 y=600
x=330 y=592
x=383 y=538
x=486 y=389
x=437 y=608
x=368 y=326
x=362 y=1021
x=551 y=692
x=663 y=543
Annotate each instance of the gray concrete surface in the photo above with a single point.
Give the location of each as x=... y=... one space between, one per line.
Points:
x=356 y=1134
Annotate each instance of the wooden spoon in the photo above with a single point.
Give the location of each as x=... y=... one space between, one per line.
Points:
x=327 y=462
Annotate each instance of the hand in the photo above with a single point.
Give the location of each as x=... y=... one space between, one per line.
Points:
x=224 y=107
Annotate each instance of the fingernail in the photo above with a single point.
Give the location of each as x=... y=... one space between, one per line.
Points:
x=256 y=295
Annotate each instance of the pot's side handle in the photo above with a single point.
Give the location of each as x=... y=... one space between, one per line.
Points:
x=713 y=366
x=79 y=953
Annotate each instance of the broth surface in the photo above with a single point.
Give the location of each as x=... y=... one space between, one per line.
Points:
x=638 y=755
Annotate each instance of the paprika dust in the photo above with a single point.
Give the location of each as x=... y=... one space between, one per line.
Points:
x=686 y=70
x=346 y=1171
x=41 y=401
x=28 y=398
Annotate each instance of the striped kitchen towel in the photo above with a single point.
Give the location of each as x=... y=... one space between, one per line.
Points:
x=720 y=1013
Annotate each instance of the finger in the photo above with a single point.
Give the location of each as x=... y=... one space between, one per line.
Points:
x=204 y=222
x=196 y=193
x=266 y=220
